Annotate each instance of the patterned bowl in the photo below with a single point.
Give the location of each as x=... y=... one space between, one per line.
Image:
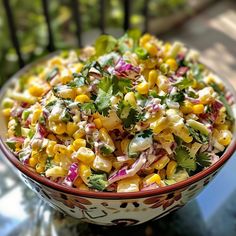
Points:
x=111 y=208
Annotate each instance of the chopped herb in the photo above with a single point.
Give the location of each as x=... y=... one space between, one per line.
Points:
x=50 y=105
x=146 y=133
x=121 y=85
x=198 y=136
x=17 y=128
x=104 y=96
x=192 y=94
x=66 y=116
x=203 y=159
x=105 y=44
x=98 y=181
x=88 y=108
x=11 y=144
x=42 y=120
x=184 y=159
x=25 y=114
x=141 y=53
x=230 y=114
x=51 y=74
x=178 y=97
x=77 y=82
x=127 y=114
x=184 y=83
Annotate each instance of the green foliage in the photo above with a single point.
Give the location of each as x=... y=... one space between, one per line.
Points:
x=184 y=159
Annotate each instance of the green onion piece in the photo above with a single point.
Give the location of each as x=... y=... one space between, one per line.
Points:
x=141 y=53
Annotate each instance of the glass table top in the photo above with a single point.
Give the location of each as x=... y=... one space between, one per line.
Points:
x=213 y=212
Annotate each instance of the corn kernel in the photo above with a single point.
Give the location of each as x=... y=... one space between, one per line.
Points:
x=187 y=107
x=55 y=61
x=130 y=184
x=82 y=90
x=152 y=178
x=67 y=93
x=144 y=39
x=198 y=109
x=152 y=78
x=33 y=161
x=50 y=148
x=66 y=76
x=83 y=187
x=71 y=149
x=222 y=127
x=159 y=125
x=84 y=172
x=36 y=90
x=78 y=182
x=80 y=133
x=35 y=116
x=86 y=155
x=78 y=67
x=59 y=128
x=142 y=88
x=82 y=98
x=78 y=143
x=171 y=168
x=172 y=64
x=40 y=168
x=106 y=138
x=102 y=164
x=162 y=173
x=52 y=137
x=130 y=98
x=225 y=137
x=151 y=48
x=6 y=112
x=161 y=163
x=98 y=123
x=124 y=145
x=55 y=172
x=71 y=128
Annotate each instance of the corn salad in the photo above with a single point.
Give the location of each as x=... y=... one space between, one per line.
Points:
x=126 y=115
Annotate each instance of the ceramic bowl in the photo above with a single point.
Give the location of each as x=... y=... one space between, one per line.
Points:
x=111 y=208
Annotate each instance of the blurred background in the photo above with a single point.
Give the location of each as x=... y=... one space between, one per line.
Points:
x=206 y=25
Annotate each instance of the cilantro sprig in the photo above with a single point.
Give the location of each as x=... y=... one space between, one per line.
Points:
x=127 y=114
x=184 y=158
x=203 y=159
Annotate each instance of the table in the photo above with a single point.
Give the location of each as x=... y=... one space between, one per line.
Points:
x=213 y=212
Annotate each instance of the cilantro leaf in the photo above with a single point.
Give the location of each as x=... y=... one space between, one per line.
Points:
x=121 y=85
x=105 y=44
x=201 y=138
x=104 y=96
x=178 y=97
x=17 y=129
x=146 y=133
x=184 y=83
x=203 y=159
x=11 y=144
x=184 y=159
x=127 y=114
x=103 y=101
x=51 y=74
x=77 y=82
x=230 y=114
x=89 y=108
x=98 y=181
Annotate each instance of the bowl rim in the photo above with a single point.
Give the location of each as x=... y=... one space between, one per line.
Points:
x=107 y=195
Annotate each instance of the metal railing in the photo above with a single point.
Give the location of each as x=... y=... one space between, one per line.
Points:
x=77 y=18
